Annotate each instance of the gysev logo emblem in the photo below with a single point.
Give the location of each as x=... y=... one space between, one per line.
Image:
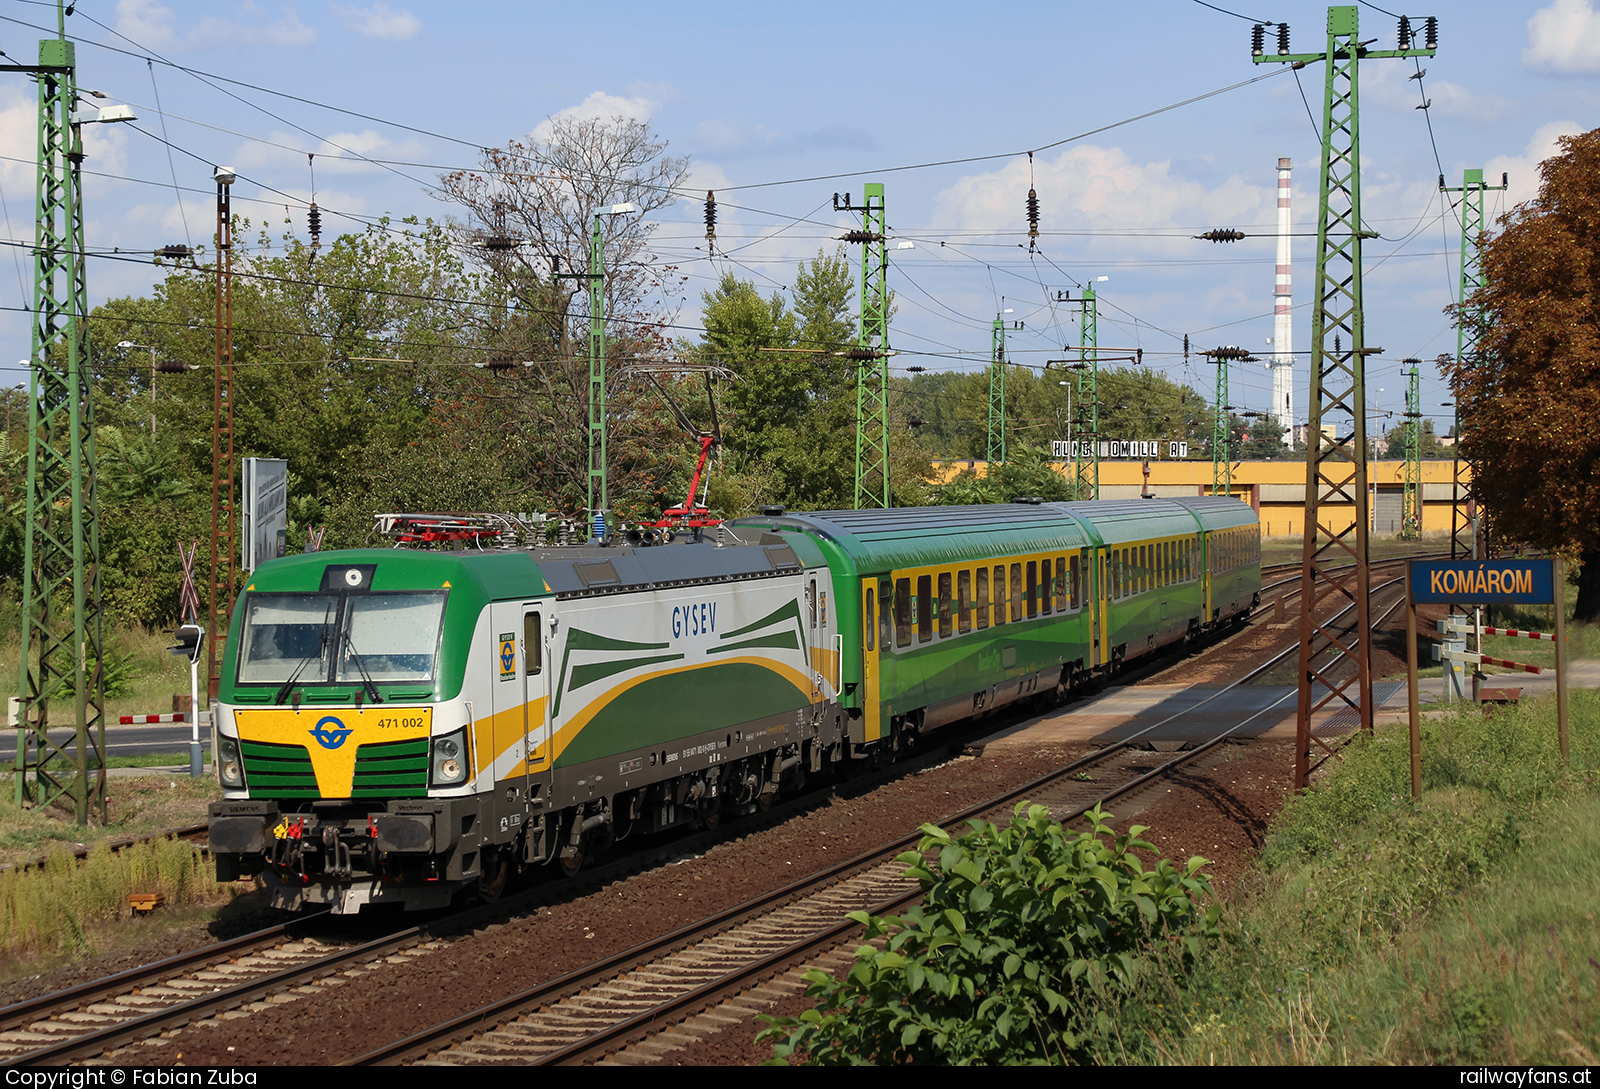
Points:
x=508 y=656
x=330 y=732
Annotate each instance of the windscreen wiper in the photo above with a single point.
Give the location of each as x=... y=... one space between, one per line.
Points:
x=366 y=679
x=322 y=648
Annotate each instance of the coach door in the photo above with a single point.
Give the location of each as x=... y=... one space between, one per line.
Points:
x=871 y=629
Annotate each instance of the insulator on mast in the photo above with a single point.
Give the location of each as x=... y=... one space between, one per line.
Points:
x=711 y=220
x=1283 y=39
x=1405 y=32
x=314 y=224
x=1222 y=235
x=1430 y=33
x=1033 y=219
x=1258 y=38
x=861 y=236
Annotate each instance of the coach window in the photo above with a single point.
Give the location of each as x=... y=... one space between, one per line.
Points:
x=532 y=644
x=1061 y=584
x=1033 y=589
x=1072 y=584
x=1046 y=573
x=983 y=598
x=885 y=619
x=872 y=620
x=924 y=608
x=1017 y=604
x=999 y=594
x=963 y=601
x=944 y=605
x=902 y=612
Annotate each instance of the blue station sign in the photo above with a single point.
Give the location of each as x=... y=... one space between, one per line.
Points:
x=1482 y=582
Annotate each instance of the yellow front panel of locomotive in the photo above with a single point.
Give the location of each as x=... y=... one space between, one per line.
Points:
x=332 y=737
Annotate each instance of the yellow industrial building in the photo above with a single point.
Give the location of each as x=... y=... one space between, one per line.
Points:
x=1276 y=489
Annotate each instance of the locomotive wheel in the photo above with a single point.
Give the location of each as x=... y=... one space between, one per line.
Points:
x=496 y=872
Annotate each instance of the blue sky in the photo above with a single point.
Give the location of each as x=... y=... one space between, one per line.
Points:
x=758 y=94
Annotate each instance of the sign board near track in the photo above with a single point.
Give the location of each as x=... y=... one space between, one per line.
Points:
x=1485 y=582
x=1482 y=582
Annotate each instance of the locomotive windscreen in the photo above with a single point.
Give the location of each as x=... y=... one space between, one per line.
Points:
x=327 y=638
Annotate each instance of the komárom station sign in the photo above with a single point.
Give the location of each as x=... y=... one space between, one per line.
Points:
x=1482 y=582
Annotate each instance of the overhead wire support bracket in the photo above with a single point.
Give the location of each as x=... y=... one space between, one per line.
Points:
x=1336 y=471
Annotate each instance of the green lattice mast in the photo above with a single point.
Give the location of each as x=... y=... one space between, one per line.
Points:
x=1336 y=470
x=1411 y=497
x=872 y=351
x=1469 y=328
x=1222 y=423
x=1086 y=456
x=61 y=545
x=997 y=394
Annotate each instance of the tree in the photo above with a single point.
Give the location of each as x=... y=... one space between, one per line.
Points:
x=1530 y=408
x=1264 y=441
x=1431 y=447
x=789 y=428
x=531 y=208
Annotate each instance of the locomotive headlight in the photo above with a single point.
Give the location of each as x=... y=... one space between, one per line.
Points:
x=229 y=769
x=447 y=763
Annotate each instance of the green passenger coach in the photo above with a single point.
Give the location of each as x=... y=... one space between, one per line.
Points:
x=397 y=726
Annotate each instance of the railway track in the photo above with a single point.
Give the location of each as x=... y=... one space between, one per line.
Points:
x=608 y=1008
x=637 y=992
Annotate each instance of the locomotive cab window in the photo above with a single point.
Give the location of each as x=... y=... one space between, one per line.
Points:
x=328 y=638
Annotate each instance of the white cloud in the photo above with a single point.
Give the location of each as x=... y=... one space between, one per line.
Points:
x=601 y=106
x=146 y=22
x=338 y=153
x=380 y=21
x=1392 y=86
x=1564 y=37
x=1523 y=170
x=151 y=25
x=1090 y=186
x=19 y=138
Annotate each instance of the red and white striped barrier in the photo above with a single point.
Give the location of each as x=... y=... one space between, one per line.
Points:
x=1468 y=656
x=140 y=720
x=1515 y=634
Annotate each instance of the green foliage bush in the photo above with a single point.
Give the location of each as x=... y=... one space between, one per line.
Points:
x=1018 y=929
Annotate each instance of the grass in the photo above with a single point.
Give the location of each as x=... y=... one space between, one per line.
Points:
x=143 y=676
x=1458 y=929
x=58 y=907
x=137 y=805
